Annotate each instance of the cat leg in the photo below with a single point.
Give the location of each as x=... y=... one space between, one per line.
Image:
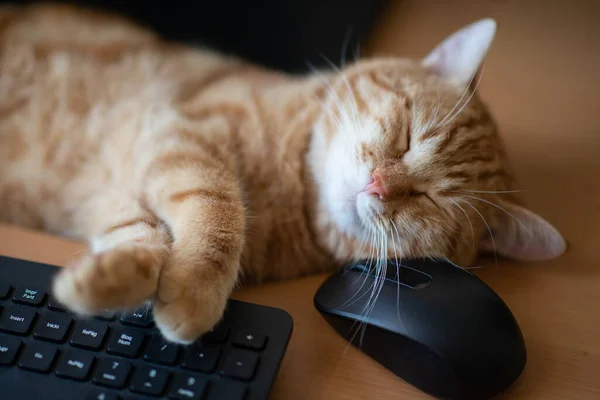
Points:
x=196 y=191
x=129 y=248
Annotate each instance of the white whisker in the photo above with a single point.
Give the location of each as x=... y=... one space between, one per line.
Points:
x=497 y=206
x=470 y=97
x=397 y=272
x=353 y=299
x=373 y=251
x=357 y=52
x=345 y=46
x=468 y=219
x=489 y=191
x=77 y=252
x=434 y=120
x=374 y=288
x=487 y=226
x=354 y=105
x=374 y=245
x=459 y=100
x=342 y=118
x=458 y=266
x=380 y=280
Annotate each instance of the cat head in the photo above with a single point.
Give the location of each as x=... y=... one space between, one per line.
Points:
x=408 y=162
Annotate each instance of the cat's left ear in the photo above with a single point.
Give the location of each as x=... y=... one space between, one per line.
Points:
x=521 y=234
x=460 y=55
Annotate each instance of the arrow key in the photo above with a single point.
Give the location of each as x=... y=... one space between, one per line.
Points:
x=249 y=340
x=188 y=387
x=149 y=380
x=240 y=364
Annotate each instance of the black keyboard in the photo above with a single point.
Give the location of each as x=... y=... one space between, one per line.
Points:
x=47 y=353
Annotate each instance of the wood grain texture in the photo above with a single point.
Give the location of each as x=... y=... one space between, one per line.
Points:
x=541 y=80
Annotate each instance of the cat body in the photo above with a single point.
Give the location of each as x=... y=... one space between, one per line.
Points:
x=187 y=170
x=119 y=108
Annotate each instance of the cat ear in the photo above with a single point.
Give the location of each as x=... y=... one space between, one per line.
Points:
x=524 y=235
x=460 y=55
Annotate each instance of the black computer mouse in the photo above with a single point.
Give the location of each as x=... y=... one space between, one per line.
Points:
x=434 y=324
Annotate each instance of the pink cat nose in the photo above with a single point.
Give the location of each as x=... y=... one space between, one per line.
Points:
x=376 y=187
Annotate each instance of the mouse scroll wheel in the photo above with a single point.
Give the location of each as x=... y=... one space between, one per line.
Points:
x=395 y=272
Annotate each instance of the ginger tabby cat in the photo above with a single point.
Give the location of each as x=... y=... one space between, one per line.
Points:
x=188 y=171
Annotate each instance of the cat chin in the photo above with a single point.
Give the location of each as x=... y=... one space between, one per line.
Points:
x=368 y=209
x=340 y=201
x=357 y=215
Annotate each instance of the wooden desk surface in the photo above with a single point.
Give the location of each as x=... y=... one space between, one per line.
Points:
x=541 y=81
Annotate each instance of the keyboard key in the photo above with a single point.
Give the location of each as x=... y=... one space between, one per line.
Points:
x=112 y=372
x=126 y=342
x=187 y=386
x=202 y=360
x=217 y=335
x=161 y=352
x=30 y=296
x=38 y=356
x=17 y=319
x=249 y=340
x=54 y=305
x=75 y=365
x=140 y=319
x=101 y=394
x=89 y=334
x=4 y=290
x=240 y=364
x=52 y=327
x=149 y=380
x=9 y=346
x=229 y=390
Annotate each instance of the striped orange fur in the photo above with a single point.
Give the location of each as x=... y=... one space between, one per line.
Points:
x=188 y=171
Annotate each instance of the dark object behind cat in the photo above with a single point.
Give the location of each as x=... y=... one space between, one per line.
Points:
x=278 y=34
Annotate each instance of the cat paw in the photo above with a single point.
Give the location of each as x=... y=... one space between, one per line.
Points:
x=118 y=279
x=183 y=312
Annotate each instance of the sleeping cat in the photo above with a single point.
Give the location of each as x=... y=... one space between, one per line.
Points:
x=189 y=171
